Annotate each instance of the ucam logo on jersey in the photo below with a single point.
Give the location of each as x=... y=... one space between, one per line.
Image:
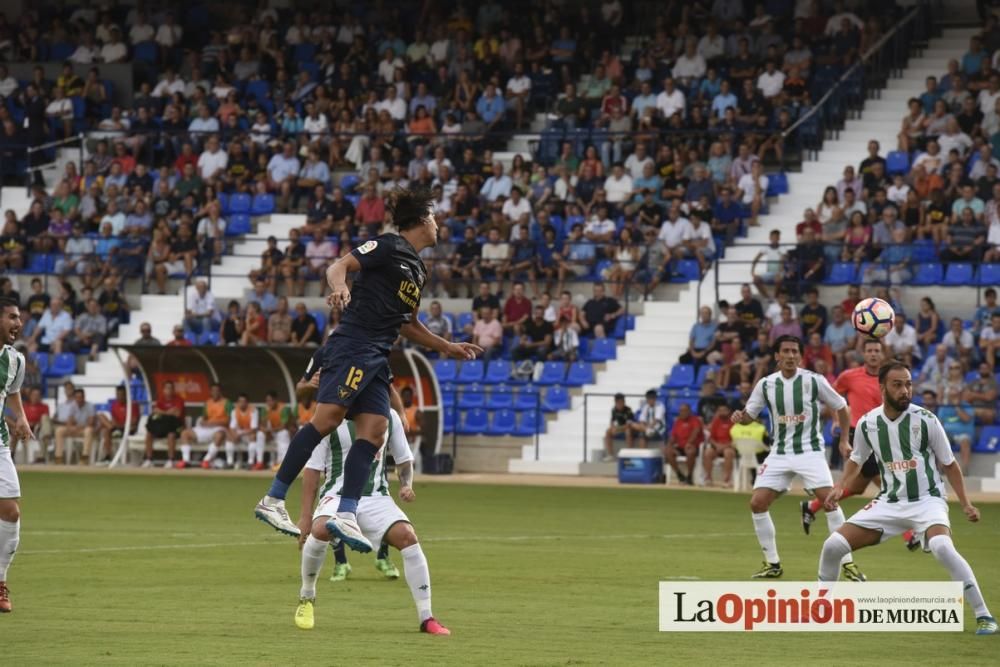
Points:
x=808 y=606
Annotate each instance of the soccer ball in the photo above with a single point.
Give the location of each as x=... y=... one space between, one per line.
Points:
x=873 y=317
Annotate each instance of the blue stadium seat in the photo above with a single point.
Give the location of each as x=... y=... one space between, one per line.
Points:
x=579 y=374
x=497 y=371
x=472 y=396
x=555 y=398
x=470 y=371
x=354 y=199
x=190 y=336
x=240 y=203
x=681 y=375
x=238 y=225
x=42 y=359
x=777 y=184
x=989 y=440
x=553 y=372
x=500 y=396
x=221 y=197
x=924 y=250
x=448 y=420
x=37 y=263
x=602 y=349
x=259 y=88
x=348 y=182
x=703 y=374
x=474 y=422
x=897 y=162
x=688 y=270
x=959 y=273
x=465 y=319
x=841 y=273
x=530 y=423
x=526 y=398
x=989 y=275
x=262 y=204
x=145 y=52
x=446 y=370
x=928 y=273
x=320 y=316
x=304 y=52
x=208 y=338
x=61 y=364
x=503 y=423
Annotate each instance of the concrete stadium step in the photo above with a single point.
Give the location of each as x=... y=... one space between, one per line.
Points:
x=546 y=467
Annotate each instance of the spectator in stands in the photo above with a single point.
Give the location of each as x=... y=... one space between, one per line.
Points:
x=467 y=257
x=773 y=259
x=989 y=341
x=112 y=426
x=254 y=326
x=37 y=412
x=304 y=332
x=934 y=371
x=902 y=340
x=89 y=331
x=487 y=333
x=702 y=340
x=496 y=186
x=787 y=327
x=894 y=261
x=720 y=444
x=437 y=323
x=650 y=420
x=179 y=339
x=817 y=351
x=709 y=399
x=494 y=258
x=201 y=314
x=282 y=171
x=686 y=435
x=839 y=336
x=959 y=342
x=566 y=342
x=319 y=252
x=621 y=420
x=181 y=259
x=958 y=419
x=53 y=328
x=600 y=313
x=279 y=324
x=516 y=310
x=965 y=240
x=535 y=341
x=146 y=338
x=78 y=422
x=752 y=190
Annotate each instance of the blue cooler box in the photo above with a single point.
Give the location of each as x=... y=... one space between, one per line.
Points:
x=640 y=466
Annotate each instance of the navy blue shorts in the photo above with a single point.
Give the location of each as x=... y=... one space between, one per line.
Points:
x=356 y=375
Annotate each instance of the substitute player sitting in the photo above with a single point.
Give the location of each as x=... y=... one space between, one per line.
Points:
x=244 y=428
x=276 y=424
x=910 y=446
x=379 y=518
x=792 y=396
x=212 y=428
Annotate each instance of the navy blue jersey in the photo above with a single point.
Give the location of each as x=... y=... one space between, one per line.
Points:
x=385 y=293
x=315 y=363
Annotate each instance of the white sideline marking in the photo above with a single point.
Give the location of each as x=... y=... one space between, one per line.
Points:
x=290 y=541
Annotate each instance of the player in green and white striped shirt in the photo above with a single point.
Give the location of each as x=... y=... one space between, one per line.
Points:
x=379 y=517
x=909 y=444
x=11 y=378
x=794 y=398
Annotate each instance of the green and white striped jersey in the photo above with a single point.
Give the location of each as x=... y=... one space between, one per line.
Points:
x=794 y=407
x=908 y=451
x=11 y=378
x=329 y=457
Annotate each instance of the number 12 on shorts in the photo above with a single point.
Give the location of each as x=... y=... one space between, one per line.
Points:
x=354 y=377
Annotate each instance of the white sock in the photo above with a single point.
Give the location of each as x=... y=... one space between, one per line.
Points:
x=835 y=549
x=186 y=453
x=944 y=550
x=10 y=535
x=764 y=527
x=282 y=440
x=835 y=520
x=212 y=452
x=313 y=555
x=418 y=577
x=230 y=452
x=258 y=447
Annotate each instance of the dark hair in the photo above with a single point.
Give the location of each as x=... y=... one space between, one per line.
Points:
x=7 y=302
x=619 y=396
x=408 y=208
x=272 y=394
x=242 y=395
x=870 y=341
x=888 y=368
x=651 y=393
x=787 y=338
x=988 y=292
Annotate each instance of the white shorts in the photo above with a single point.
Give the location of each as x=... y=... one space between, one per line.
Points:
x=376 y=514
x=10 y=485
x=778 y=470
x=204 y=434
x=896 y=518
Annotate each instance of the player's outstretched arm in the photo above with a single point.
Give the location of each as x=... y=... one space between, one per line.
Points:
x=310 y=485
x=851 y=470
x=405 y=473
x=336 y=278
x=953 y=473
x=22 y=430
x=417 y=333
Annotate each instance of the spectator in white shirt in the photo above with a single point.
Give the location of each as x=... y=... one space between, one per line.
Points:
x=169 y=34
x=988 y=96
x=395 y=105
x=600 y=228
x=674 y=230
x=771 y=80
x=212 y=229
x=752 y=190
x=636 y=163
x=618 y=186
x=954 y=139
x=53 y=327
x=518 y=92
x=959 y=341
x=671 y=100
x=213 y=159
x=902 y=340
x=168 y=85
x=316 y=124
x=690 y=65
x=199 y=305
x=60 y=110
x=86 y=52
x=516 y=210
x=698 y=242
x=141 y=31
x=387 y=67
x=115 y=50
x=8 y=84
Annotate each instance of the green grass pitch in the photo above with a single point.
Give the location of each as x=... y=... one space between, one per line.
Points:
x=138 y=569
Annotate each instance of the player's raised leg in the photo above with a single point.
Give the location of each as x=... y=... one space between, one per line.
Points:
x=370 y=429
x=834 y=520
x=841 y=543
x=940 y=543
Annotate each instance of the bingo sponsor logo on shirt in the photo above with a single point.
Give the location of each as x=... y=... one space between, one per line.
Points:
x=807 y=606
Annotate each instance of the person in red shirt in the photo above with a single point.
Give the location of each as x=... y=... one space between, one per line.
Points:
x=255 y=329
x=113 y=427
x=860 y=387
x=166 y=421
x=179 y=340
x=686 y=434
x=720 y=444
x=853 y=296
x=37 y=413
x=818 y=350
x=517 y=309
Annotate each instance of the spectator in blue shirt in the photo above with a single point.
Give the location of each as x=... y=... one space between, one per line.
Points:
x=491 y=106
x=958 y=419
x=984 y=313
x=972 y=61
x=930 y=95
x=563 y=49
x=724 y=100
x=702 y=339
x=496 y=186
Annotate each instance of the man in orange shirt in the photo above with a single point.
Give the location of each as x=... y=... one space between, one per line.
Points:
x=244 y=426
x=860 y=387
x=212 y=427
x=720 y=444
x=686 y=434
